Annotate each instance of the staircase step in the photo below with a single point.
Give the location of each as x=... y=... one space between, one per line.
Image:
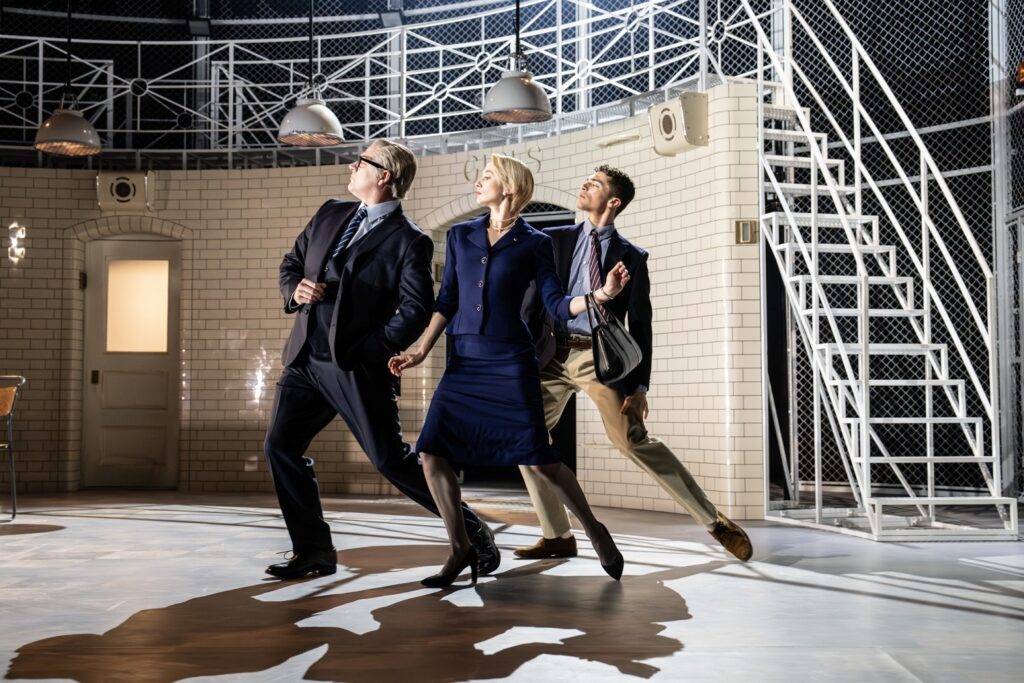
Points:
x=943 y=500
x=792 y=136
x=916 y=420
x=837 y=166
x=901 y=382
x=841 y=248
x=877 y=349
x=807 y=188
x=825 y=220
x=855 y=279
x=798 y=162
x=873 y=312
x=782 y=112
x=938 y=459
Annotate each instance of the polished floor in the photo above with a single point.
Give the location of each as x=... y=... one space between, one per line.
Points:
x=169 y=587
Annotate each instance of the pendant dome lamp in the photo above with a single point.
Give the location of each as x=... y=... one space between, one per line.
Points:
x=516 y=98
x=67 y=133
x=310 y=123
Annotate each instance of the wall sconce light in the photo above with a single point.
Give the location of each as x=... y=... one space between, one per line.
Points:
x=16 y=252
x=392 y=17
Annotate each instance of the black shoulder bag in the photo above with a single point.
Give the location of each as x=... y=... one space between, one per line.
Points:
x=616 y=353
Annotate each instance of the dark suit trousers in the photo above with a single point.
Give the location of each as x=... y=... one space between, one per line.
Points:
x=309 y=395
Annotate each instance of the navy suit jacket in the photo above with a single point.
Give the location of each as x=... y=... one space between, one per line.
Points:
x=632 y=306
x=483 y=286
x=385 y=294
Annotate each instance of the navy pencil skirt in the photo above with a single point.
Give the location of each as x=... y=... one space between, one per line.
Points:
x=487 y=408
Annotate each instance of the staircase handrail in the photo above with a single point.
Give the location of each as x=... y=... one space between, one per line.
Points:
x=804 y=120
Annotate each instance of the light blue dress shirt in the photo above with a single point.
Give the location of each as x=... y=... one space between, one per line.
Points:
x=374 y=216
x=579 y=273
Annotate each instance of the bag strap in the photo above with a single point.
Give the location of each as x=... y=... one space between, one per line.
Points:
x=602 y=320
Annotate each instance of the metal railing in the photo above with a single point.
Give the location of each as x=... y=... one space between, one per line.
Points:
x=413 y=81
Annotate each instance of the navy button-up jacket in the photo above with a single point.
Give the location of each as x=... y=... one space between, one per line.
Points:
x=483 y=286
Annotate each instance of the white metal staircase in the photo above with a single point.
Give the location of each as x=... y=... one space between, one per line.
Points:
x=867 y=314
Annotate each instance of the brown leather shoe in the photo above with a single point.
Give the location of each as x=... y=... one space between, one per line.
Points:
x=548 y=547
x=732 y=537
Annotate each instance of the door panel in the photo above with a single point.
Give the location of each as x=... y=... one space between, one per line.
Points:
x=135 y=448
x=135 y=390
x=130 y=405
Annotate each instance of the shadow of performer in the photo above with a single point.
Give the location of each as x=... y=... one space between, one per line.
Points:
x=422 y=638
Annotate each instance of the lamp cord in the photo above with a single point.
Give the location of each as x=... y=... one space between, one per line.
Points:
x=518 y=52
x=310 y=44
x=67 y=56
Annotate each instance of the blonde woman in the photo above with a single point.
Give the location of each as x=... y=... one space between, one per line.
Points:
x=487 y=409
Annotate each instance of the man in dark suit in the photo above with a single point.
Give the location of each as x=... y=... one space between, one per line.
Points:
x=583 y=254
x=358 y=281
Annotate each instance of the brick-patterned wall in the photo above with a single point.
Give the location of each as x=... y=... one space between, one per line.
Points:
x=235 y=226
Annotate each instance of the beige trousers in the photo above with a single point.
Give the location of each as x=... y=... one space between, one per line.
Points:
x=571 y=371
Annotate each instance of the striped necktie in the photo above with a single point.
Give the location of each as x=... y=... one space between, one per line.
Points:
x=595 y=266
x=348 y=234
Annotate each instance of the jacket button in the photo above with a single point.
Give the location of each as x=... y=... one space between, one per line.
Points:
x=480 y=284
x=483 y=259
x=479 y=307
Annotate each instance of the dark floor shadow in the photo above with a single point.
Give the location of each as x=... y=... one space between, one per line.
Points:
x=422 y=638
x=15 y=529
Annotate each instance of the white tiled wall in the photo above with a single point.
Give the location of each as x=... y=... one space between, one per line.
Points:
x=235 y=225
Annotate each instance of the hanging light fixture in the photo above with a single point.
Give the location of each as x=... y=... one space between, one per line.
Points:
x=67 y=133
x=516 y=98
x=310 y=123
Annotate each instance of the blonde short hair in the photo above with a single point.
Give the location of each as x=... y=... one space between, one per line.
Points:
x=400 y=161
x=516 y=178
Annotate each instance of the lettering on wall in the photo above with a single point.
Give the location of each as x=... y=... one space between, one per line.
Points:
x=474 y=165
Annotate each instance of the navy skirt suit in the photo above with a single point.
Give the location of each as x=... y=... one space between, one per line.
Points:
x=487 y=409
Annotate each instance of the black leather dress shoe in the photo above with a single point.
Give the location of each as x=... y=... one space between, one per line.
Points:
x=320 y=562
x=486 y=549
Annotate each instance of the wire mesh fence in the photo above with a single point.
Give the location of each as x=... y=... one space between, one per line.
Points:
x=425 y=78
x=935 y=63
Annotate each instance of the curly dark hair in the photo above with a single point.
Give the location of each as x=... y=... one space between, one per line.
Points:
x=620 y=184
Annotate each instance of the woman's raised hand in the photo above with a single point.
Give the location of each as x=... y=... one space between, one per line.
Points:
x=404 y=360
x=616 y=280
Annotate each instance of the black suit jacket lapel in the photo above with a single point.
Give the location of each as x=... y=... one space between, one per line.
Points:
x=616 y=250
x=319 y=250
x=564 y=247
x=372 y=240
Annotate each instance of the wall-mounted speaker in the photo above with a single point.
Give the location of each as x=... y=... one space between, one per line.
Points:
x=680 y=124
x=125 y=191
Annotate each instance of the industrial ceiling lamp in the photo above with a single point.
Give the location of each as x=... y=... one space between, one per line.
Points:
x=516 y=98
x=67 y=133
x=310 y=123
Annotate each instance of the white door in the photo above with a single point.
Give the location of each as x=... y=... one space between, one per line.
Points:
x=130 y=399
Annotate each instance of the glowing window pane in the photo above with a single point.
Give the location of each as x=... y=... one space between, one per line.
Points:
x=137 y=293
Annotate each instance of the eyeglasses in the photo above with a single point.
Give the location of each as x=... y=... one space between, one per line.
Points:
x=360 y=159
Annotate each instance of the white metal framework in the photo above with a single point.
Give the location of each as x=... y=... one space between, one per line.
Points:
x=222 y=101
x=849 y=284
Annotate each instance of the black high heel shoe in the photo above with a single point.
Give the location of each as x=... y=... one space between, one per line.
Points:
x=442 y=580
x=613 y=568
